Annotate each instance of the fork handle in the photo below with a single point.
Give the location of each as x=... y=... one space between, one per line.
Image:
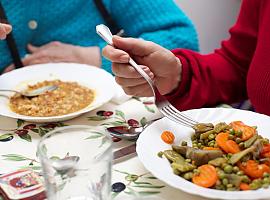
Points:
x=143 y=74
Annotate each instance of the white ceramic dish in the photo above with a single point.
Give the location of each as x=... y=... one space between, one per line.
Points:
x=92 y=77
x=150 y=143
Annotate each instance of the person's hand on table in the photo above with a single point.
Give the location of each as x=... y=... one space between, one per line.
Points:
x=60 y=52
x=159 y=63
x=4 y=30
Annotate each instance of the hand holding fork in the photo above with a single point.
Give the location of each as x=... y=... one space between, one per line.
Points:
x=162 y=67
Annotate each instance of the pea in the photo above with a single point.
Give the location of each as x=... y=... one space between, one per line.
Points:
x=266 y=180
x=184 y=143
x=239 y=133
x=265 y=185
x=221 y=175
x=240 y=173
x=195 y=145
x=199 y=145
x=188 y=176
x=211 y=137
x=238 y=140
x=241 y=145
x=235 y=169
x=229 y=185
x=245 y=179
x=196 y=172
x=265 y=175
x=225 y=181
x=188 y=160
x=255 y=185
x=232 y=132
x=231 y=137
x=160 y=154
x=228 y=169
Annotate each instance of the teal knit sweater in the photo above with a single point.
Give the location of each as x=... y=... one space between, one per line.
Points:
x=74 y=21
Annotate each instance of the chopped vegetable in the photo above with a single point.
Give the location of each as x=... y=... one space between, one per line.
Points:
x=211 y=148
x=168 y=137
x=207 y=176
x=199 y=156
x=266 y=151
x=254 y=169
x=247 y=131
x=224 y=157
x=229 y=146
x=244 y=186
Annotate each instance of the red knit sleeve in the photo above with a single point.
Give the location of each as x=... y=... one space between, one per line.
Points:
x=219 y=77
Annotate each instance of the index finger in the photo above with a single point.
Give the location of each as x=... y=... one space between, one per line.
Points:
x=115 y=55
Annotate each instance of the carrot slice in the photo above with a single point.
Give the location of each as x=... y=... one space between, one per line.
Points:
x=244 y=186
x=168 y=137
x=254 y=169
x=247 y=131
x=211 y=148
x=207 y=176
x=232 y=146
x=229 y=146
x=265 y=151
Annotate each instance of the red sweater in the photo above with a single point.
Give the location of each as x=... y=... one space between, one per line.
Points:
x=240 y=69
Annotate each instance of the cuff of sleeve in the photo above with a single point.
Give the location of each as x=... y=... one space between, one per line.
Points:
x=184 y=84
x=105 y=64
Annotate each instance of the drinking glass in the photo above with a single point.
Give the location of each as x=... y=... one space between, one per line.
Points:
x=76 y=163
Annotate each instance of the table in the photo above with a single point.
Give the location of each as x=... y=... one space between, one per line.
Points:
x=131 y=173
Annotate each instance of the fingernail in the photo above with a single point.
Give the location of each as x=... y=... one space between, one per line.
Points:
x=124 y=58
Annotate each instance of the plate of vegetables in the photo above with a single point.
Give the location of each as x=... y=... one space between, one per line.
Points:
x=225 y=156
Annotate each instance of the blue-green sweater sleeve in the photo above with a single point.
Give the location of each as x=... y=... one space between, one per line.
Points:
x=160 y=21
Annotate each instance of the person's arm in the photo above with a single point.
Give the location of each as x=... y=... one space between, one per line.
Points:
x=221 y=76
x=158 y=21
x=5 y=29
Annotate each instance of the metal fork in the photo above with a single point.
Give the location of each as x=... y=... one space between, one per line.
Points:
x=164 y=106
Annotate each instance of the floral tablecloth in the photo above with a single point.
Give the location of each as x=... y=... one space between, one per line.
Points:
x=130 y=175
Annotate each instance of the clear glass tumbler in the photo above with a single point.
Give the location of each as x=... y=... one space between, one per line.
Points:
x=76 y=163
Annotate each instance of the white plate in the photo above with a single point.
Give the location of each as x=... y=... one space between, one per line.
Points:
x=150 y=143
x=92 y=77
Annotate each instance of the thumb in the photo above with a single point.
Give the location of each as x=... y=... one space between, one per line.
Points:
x=32 y=48
x=137 y=47
x=7 y=28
